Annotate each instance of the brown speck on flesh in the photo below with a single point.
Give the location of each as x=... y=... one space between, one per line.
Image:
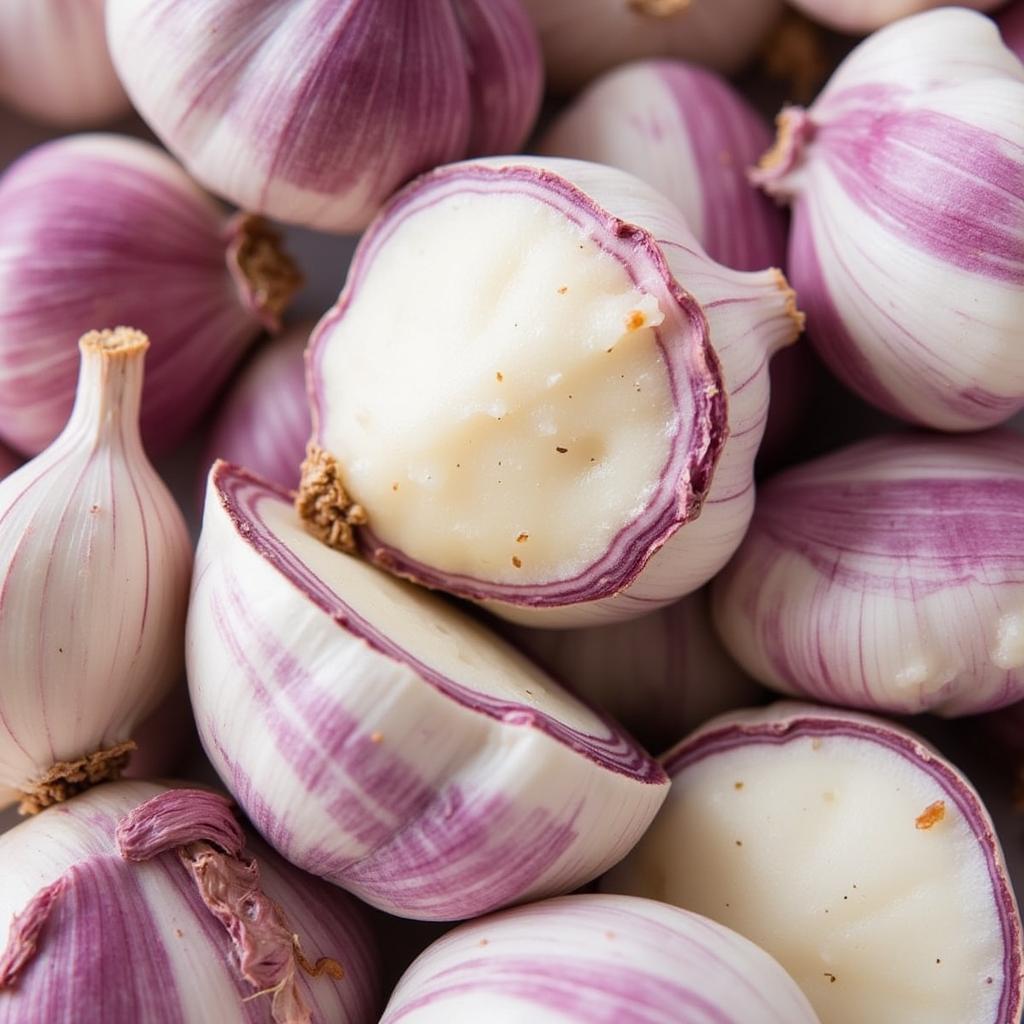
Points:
x=483 y=942
x=609 y=935
x=988 y=981
x=828 y=796
x=376 y=737
x=522 y=538
x=737 y=785
x=831 y=977
x=560 y=450
x=816 y=743
x=394 y=487
x=179 y=933
x=94 y=509
x=931 y=815
x=563 y=289
x=739 y=842
x=517 y=561
x=938 y=960
x=499 y=376
x=635 y=319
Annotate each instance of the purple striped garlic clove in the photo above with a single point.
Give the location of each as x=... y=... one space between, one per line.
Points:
x=151 y=905
x=378 y=738
x=860 y=16
x=1011 y=25
x=661 y=675
x=264 y=423
x=888 y=576
x=906 y=178
x=315 y=113
x=54 y=64
x=688 y=133
x=582 y=959
x=94 y=564
x=850 y=851
x=583 y=38
x=566 y=385
x=105 y=229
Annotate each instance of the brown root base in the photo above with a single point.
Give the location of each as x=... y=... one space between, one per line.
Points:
x=68 y=778
x=271 y=276
x=324 y=965
x=659 y=8
x=323 y=503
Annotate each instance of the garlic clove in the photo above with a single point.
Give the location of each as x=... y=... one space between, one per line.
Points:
x=104 y=229
x=418 y=761
x=386 y=91
x=861 y=16
x=169 y=912
x=592 y=957
x=94 y=563
x=859 y=858
x=604 y=384
x=886 y=576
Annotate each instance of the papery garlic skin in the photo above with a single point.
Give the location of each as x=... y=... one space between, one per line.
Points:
x=850 y=851
x=105 y=229
x=94 y=561
x=888 y=575
x=582 y=38
x=134 y=942
x=495 y=486
x=907 y=250
x=264 y=421
x=661 y=675
x=1011 y=25
x=592 y=957
x=378 y=738
x=867 y=15
x=689 y=134
x=385 y=91
x=54 y=64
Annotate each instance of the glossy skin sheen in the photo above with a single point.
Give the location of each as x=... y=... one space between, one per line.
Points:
x=596 y=960
x=381 y=740
x=906 y=178
x=863 y=16
x=887 y=576
x=134 y=942
x=387 y=89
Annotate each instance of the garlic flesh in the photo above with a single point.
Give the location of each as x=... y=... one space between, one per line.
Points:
x=863 y=16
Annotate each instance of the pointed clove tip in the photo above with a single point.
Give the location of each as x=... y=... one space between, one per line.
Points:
x=126 y=341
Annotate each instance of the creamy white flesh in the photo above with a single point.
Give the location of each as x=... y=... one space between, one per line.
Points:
x=428 y=629
x=814 y=850
x=497 y=397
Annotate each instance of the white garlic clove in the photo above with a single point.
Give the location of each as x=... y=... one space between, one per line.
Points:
x=604 y=383
x=385 y=91
x=580 y=959
x=582 y=38
x=907 y=250
x=153 y=906
x=105 y=229
x=886 y=576
x=382 y=740
x=855 y=855
x=94 y=563
x=867 y=15
x=54 y=64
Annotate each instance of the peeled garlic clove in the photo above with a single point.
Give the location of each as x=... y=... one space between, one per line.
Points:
x=602 y=383
x=661 y=675
x=887 y=576
x=688 y=133
x=582 y=38
x=95 y=561
x=906 y=249
x=54 y=64
x=152 y=905
x=859 y=858
x=591 y=957
x=264 y=422
x=1011 y=24
x=381 y=740
x=104 y=229
x=867 y=15
x=385 y=91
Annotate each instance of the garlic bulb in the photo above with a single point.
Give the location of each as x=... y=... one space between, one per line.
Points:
x=688 y=133
x=566 y=385
x=582 y=38
x=581 y=959
x=660 y=676
x=378 y=738
x=383 y=92
x=888 y=575
x=906 y=177
x=851 y=852
x=145 y=903
x=866 y=15
x=95 y=560
x=263 y=423
x=103 y=229
x=54 y=64
x=1011 y=24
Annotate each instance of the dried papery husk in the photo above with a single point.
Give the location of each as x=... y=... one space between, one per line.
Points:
x=168 y=911
x=862 y=16
x=105 y=229
x=95 y=561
